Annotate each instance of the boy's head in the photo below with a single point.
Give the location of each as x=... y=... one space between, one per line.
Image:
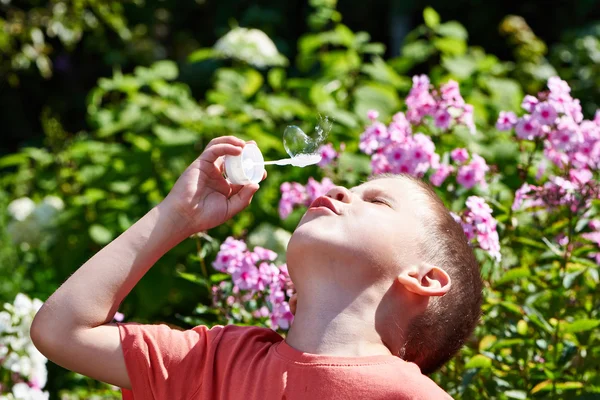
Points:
x=392 y=243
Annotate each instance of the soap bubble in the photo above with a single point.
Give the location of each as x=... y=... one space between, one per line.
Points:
x=296 y=142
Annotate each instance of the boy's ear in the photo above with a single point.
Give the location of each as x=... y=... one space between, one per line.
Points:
x=425 y=279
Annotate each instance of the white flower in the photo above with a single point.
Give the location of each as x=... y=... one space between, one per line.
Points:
x=25 y=232
x=21 y=208
x=3 y=351
x=23 y=305
x=5 y=322
x=45 y=213
x=22 y=391
x=250 y=45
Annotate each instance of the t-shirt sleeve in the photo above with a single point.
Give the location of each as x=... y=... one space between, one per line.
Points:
x=163 y=363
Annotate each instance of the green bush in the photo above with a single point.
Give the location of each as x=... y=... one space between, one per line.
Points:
x=539 y=333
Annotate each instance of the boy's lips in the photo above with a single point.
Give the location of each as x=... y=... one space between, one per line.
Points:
x=324 y=201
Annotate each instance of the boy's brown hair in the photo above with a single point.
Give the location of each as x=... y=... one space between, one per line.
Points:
x=439 y=333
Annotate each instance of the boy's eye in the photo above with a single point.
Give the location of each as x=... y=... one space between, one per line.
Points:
x=379 y=201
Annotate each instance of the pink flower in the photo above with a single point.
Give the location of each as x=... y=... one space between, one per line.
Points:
x=594 y=224
x=292 y=194
x=467 y=118
x=529 y=103
x=451 y=94
x=316 y=189
x=374 y=138
x=558 y=86
x=473 y=173
x=573 y=109
x=442 y=119
x=373 y=115
x=119 y=317
x=506 y=121
x=597 y=118
x=328 y=154
x=265 y=254
x=527 y=128
x=479 y=226
x=545 y=113
x=440 y=175
x=520 y=196
x=459 y=155
x=581 y=176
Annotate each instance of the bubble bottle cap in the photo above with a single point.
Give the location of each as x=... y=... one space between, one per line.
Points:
x=246 y=168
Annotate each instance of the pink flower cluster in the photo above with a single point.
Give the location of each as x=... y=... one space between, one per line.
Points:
x=255 y=277
x=446 y=106
x=328 y=154
x=294 y=194
x=594 y=236
x=395 y=149
x=479 y=225
x=471 y=170
x=576 y=192
x=556 y=118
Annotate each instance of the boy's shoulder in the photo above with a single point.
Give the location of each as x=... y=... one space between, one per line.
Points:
x=243 y=334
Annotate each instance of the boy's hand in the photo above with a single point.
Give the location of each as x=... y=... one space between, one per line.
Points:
x=202 y=198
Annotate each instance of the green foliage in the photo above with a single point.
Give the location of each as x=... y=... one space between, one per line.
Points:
x=577 y=59
x=26 y=32
x=539 y=334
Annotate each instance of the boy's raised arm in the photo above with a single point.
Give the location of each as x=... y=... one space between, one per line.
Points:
x=73 y=327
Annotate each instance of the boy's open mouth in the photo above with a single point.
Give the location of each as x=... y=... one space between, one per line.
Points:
x=324 y=202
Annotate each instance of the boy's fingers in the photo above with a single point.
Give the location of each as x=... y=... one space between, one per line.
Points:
x=235 y=189
x=226 y=139
x=241 y=199
x=213 y=152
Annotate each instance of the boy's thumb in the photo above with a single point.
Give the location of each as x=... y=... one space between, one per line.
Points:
x=241 y=199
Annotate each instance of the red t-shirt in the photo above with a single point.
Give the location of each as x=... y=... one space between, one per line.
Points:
x=250 y=363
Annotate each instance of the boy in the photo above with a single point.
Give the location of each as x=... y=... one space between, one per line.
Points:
x=370 y=266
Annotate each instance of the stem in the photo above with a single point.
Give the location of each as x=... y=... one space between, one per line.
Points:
x=202 y=263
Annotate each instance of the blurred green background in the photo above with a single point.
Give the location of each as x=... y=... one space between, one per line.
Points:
x=103 y=104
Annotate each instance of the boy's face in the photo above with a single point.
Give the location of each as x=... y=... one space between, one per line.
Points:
x=370 y=231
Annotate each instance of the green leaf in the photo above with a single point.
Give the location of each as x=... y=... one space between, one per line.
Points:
x=570 y=278
x=479 y=361
x=192 y=278
x=380 y=71
x=373 y=48
x=376 y=97
x=450 y=46
x=516 y=394
x=452 y=29
x=166 y=69
x=506 y=93
x=418 y=51
x=276 y=78
x=514 y=274
x=581 y=325
x=431 y=17
x=542 y=386
x=462 y=67
x=201 y=55
x=569 y=385
x=529 y=242
x=100 y=234
x=175 y=137
x=512 y=307
x=13 y=160
x=216 y=278
x=547 y=385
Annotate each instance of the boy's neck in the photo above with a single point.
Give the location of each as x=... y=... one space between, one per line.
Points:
x=323 y=327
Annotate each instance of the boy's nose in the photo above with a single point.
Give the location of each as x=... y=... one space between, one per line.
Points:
x=340 y=193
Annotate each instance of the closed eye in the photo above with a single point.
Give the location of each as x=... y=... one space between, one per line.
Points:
x=380 y=201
